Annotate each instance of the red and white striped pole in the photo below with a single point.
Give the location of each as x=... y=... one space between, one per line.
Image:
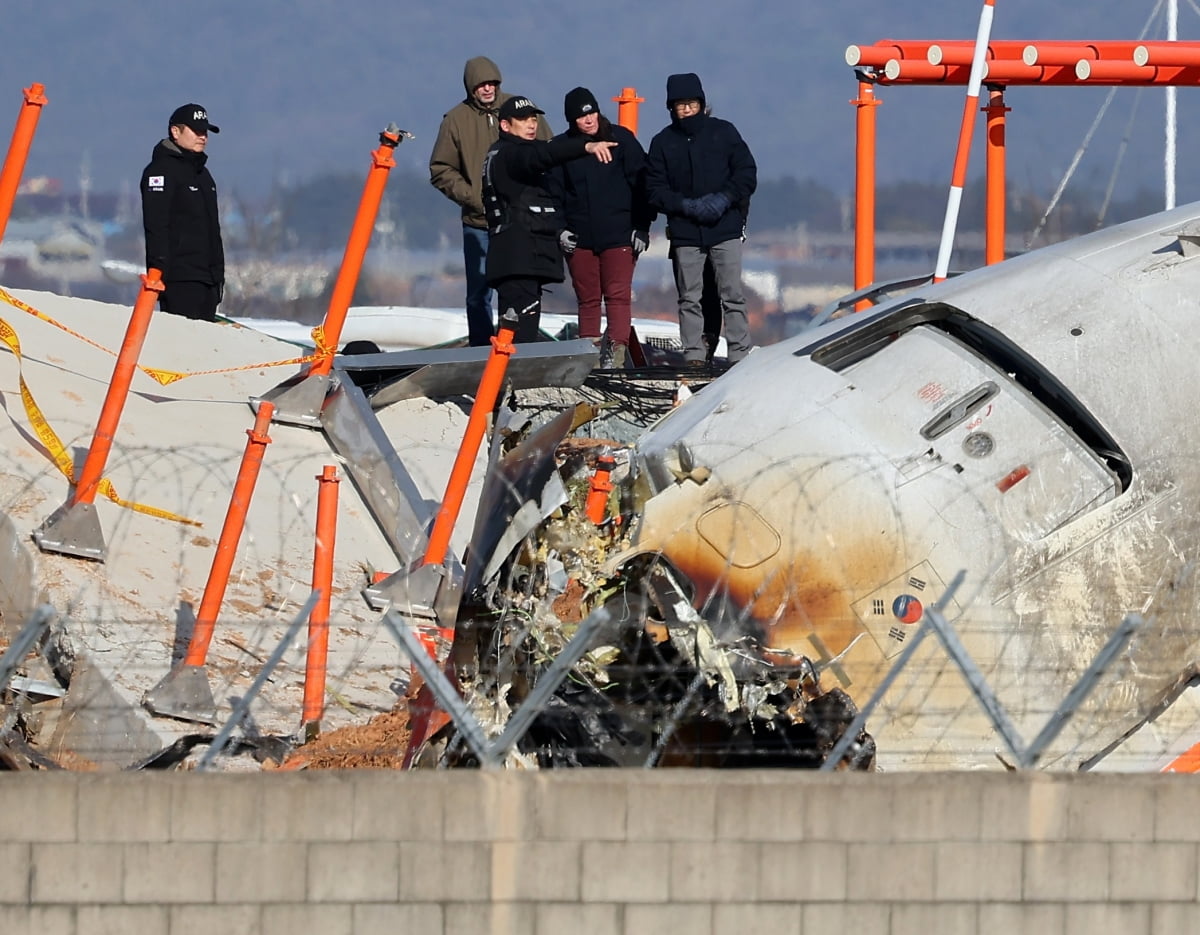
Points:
x=964 y=141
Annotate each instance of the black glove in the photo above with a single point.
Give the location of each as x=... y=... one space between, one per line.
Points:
x=711 y=207
x=568 y=240
x=640 y=241
x=690 y=208
x=220 y=292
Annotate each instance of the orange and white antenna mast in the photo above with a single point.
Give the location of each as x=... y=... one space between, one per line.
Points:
x=963 y=152
x=1169 y=148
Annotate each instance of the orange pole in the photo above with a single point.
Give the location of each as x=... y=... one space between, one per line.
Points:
x=18 y=151
x=1102 y=72
x=235 y=520
x=118 y=387
x=1131 y=73
x=963 y=53
x=599 y=489
x=460 y=474
x=996 y=201
x=1068 y=53
x=864 y=189
x=914 y=69
x=879 y=54
x=1016 y=72
x=1167 y=53
x=322 y=580
x=627 y=109
x=1186 y=762
x=356 y=248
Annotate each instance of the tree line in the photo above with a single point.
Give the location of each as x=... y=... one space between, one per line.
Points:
x=316 y=214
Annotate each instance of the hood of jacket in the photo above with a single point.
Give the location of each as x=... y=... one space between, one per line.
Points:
x=168 y=147
x=685 y=87
x=476 y=72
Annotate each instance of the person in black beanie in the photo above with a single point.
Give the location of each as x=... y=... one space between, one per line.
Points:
x=607 y=221
x=700 y=174
x=524 y=221
x=179 y=214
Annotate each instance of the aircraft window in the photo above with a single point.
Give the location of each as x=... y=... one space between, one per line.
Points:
x=878 y=330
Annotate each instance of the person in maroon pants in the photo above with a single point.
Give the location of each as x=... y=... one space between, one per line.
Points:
x=607 y=220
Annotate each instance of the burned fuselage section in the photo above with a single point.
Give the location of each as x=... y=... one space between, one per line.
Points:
x=1023 y=424
x=771 y=543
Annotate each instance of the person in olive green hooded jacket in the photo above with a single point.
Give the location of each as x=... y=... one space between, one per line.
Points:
x=456 y=170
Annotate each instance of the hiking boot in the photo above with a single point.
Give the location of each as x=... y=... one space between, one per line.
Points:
x=618 y=357
x=605 y=360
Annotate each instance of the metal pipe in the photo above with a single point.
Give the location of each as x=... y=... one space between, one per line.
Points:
x=118 y=387
x=243 y=706
x=995 y=220
x=1167 y=53
x=919 y=70
x=231 y=532
x=1169 y=142
x=1068 y=53
x=627 y=109
x=1131 y=73
x=19 y=648
x=963 y=151
x=18 y=150
x=330 y=331
x=879 y=54
x=318 y=621
x=864 y=189
x=460 y=475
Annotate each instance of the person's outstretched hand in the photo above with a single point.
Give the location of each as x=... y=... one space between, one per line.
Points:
x=602 y=149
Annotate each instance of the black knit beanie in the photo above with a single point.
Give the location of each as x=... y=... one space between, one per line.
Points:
x=579 y=102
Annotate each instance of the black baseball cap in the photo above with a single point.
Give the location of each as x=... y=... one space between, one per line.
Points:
x=194 y=116
x=517 y=106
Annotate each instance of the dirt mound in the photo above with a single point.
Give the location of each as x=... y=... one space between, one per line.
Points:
x=378 y=744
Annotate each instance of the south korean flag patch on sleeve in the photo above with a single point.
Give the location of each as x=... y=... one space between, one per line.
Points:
x=156 y=183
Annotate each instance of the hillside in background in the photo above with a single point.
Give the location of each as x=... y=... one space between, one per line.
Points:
x=302 y=88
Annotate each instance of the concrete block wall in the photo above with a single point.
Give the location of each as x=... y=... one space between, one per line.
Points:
x=602 y=851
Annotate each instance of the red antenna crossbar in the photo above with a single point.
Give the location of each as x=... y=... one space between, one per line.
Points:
x=1121 y=73
x=1068 y=53
x=1167 y=53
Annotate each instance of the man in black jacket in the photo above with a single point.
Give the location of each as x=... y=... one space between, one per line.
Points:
x=524 y=222
x=179 y=213
x=700 y=174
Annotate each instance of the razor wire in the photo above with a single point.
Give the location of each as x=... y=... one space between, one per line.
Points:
x=546 y=688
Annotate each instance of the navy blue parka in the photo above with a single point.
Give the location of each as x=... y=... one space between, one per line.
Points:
x=696 y=156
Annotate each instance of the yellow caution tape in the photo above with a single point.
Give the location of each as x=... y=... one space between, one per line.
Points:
x=58 y=451
x=167 y=377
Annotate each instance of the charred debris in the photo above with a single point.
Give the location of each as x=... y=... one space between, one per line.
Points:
x=666 y=681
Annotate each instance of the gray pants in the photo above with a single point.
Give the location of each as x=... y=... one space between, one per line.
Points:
x=689 y=283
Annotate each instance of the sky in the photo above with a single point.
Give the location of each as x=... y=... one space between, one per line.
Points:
x=304 y=87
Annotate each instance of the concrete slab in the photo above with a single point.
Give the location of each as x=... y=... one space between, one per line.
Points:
x=178 y=448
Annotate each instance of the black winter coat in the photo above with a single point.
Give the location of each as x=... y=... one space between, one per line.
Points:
x=527 y=243
x=697 y=156
x=604 y=203
x=179 y=212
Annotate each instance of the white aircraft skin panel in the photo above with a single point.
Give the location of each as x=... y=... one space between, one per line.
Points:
x=1060 y=534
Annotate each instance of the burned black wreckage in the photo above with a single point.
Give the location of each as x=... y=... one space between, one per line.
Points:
x=775 y=544
x=558 y=642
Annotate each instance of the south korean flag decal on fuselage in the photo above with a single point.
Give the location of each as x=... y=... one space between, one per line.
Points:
x=156 y=183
